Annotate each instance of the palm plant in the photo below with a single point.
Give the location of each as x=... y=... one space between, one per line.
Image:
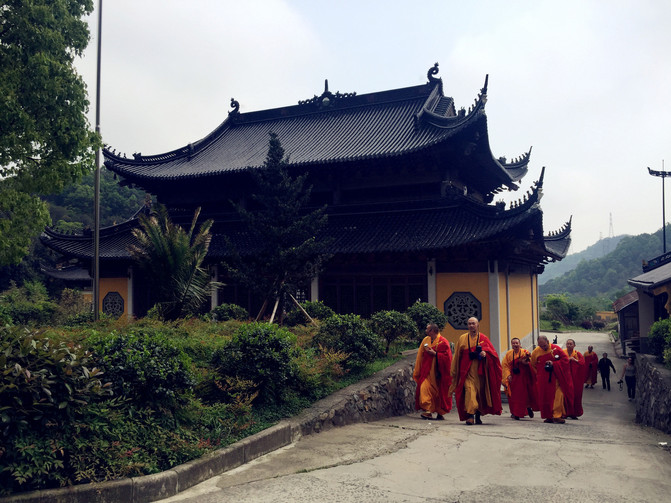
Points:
x=173 y=259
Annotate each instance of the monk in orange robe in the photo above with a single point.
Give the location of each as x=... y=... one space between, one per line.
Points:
x=591 y=367
x=518 y=381
x=577 y=367
x=553 y=380
x=476 y=375
x=432 y=375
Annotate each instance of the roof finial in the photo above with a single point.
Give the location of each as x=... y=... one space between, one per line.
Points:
x=432 y=71
x=326 y=86
x=236 y=107
x=484 y=89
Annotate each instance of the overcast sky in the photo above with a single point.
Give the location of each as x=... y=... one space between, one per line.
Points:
x=586 y=83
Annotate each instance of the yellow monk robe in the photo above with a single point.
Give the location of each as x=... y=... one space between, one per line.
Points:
x=553 y=387
x=432 y=375
x=476 y=382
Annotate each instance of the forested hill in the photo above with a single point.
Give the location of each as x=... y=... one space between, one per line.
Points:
x=606 y=277
x=599 y=249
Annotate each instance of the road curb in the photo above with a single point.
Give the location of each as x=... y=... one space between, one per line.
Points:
x=334 y=410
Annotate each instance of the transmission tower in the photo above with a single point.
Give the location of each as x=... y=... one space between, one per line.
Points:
x=611 y=234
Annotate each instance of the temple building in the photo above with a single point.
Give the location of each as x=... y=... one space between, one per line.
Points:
x=409 y=183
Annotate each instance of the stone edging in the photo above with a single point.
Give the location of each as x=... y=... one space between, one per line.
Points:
x=390 y=392
x=653 y=393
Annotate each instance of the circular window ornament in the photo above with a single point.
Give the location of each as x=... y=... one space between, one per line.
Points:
x=113 y=304
x=459 y=307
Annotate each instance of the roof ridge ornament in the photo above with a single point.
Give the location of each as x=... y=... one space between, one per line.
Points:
x=327 y=98
x=430 y=74
x=236 y=107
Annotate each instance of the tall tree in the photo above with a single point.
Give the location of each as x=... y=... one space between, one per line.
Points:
x=45 y=138
x=286 y=251
x=173 y=260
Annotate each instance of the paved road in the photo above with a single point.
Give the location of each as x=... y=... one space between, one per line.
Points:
x=602 y=457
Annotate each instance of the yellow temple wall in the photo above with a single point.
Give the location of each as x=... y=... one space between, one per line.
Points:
x=475 y=283
x=519 y=297
x=521 y=305
x=119 y=285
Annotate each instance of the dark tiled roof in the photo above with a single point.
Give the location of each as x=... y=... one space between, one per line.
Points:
x=418 y=227
x=625 y=300
x=352 y=128
x=652 y=279
x=70 y=273
x=114 y=242
x=557 y=243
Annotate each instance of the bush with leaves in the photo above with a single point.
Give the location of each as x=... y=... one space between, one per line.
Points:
x=392 y=325
x=43 y=382
x=261 y=353
x=659 y=337
x=225 y=312
x=28 y=304
x=316 y=371
x=348 y=333
x=423 y=313
x=317 y=310
x=145 y=365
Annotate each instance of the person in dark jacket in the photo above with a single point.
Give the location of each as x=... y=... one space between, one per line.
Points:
x=604 y=369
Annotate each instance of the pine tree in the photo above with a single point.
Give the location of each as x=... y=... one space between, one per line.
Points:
x=287 y=251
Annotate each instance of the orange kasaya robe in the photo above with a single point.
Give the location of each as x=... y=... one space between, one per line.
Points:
x=432 y=375
x=521 y=390
x=554 y=388
x=591 y=367
x=578 y=377
x=476 y=383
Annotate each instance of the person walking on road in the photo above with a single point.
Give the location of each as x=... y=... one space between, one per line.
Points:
x=476 y=375
x=604 y=369
x=518 y=381
x=629 y=376
x=432 y=375
x=577 y=367
x=553 y=380
x=591 y=367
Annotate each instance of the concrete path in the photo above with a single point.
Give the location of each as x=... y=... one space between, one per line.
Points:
x=603 y=456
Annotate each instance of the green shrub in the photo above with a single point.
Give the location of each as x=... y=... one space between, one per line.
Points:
x=225 y=312
x=28 y=304
x=659 y=337
x=349 y=334
x=5 y=317
x=423 y=313
x=392 y=325
x=261 y=353
x=144 y=365
x=316 y=371
x=667 y=357
x=42 y=382
x=317 y=310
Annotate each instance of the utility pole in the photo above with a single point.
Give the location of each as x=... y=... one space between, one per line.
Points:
x=96 y=194
x=662 y=174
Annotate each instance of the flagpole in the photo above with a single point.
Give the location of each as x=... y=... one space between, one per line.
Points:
x=96 y=196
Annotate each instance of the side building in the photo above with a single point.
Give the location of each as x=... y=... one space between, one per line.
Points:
x=409 y=183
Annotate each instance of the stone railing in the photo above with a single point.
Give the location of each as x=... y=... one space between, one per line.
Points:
x=653 y=393
x=390 y=392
